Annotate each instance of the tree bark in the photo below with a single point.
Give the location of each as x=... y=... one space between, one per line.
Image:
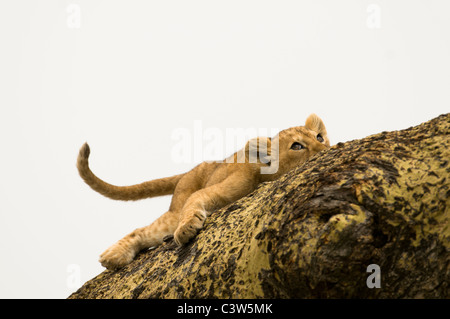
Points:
x=313 y=233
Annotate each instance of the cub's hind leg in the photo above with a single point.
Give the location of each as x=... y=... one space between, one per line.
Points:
x=124 y=251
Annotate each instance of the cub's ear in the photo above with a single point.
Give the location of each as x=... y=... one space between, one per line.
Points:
x=258 y=150
x=313 y=122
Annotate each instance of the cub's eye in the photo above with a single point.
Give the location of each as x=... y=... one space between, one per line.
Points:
x=319 y=138
x=296 y=146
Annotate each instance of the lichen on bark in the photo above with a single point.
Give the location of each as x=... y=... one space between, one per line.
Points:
x=312 y=233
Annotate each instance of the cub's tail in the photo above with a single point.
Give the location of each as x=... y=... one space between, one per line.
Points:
x=157 y=187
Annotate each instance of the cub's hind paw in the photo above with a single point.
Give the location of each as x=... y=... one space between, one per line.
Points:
x=116 y=257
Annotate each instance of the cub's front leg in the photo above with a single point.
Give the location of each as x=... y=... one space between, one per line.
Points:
x=191 y=222
x=201 y=203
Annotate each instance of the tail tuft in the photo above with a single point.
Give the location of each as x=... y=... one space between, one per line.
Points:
x=85 y=151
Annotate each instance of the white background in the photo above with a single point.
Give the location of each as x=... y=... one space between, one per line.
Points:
x=123 y=75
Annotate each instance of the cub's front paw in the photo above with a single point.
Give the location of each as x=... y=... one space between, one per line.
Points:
x=116 y=256
x=187 y=229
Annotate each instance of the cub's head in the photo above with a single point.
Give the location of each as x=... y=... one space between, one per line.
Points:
x=297 y=144
x=294 y=146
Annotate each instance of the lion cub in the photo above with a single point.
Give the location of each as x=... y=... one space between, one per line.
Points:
x=207 y=187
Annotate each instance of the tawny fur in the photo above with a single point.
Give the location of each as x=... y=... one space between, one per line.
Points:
x=207 y=187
